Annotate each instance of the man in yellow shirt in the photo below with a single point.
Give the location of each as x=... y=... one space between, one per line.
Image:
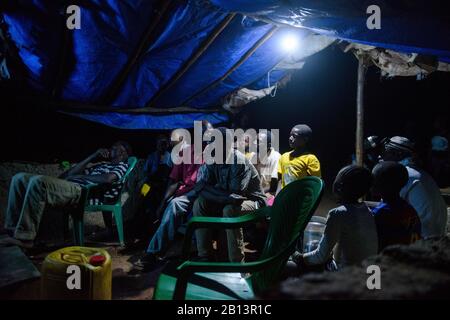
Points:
x=298 y=163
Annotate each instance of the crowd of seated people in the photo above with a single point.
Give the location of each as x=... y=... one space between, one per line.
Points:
x=410 y=205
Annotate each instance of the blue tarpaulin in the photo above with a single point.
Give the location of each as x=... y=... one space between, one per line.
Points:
x=84 y=66
x=412 y=26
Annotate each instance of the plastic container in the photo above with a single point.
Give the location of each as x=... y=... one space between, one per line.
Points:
x=145 y=189
x=78 y=273
x=313 y=233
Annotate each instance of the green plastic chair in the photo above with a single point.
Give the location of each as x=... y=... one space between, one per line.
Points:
x=289 y=215
x=115 y=209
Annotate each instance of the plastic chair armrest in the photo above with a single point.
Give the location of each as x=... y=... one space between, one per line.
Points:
x=220 y=223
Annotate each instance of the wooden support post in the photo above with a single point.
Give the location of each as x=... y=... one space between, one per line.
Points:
x=362 y=68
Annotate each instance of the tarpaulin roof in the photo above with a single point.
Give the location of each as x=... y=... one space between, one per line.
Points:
x=419 y=26
x=147 y=64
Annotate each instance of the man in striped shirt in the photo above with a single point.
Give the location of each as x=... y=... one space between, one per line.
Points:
x=29 y=194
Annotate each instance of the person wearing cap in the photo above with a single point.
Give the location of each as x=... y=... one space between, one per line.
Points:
x=298 y=163
x=372 y=147
x=421 y=191
x=350 y=229
x=397 y=221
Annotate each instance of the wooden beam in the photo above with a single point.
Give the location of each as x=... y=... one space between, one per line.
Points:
x=362 y=68
x=197 y=54
x=143 y=44
x=244 y=58
x=80 y=107
x=135 y=111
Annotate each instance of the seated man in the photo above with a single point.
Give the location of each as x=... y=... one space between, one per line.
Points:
x=158 y=161
x=29 y=194
x=266 y=164
x=350 y=228
x=267 y=167
x=397 y=222
x=157 y=169
x=421 y=191
x=230 y=189
x=178 y=199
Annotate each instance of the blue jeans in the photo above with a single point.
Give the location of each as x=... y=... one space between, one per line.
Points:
x=29 y=194
x=176 y=209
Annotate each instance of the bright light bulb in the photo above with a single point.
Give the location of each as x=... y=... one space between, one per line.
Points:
x=289 y=43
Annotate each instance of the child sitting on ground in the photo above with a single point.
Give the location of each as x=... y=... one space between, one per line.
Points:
x=397 y=221
x=350 y=228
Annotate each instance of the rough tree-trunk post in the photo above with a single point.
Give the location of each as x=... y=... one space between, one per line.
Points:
x=362 y=68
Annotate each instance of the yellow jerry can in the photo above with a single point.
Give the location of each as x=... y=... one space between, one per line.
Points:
x=77 y=273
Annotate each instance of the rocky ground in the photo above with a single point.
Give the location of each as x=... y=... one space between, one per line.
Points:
x=418 y=271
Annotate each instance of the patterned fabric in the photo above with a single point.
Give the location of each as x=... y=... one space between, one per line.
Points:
x=110 y=195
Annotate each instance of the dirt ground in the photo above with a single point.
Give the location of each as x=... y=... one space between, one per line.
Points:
x=51 y=237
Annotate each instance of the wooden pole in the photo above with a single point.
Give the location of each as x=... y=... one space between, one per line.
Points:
x=362 y=68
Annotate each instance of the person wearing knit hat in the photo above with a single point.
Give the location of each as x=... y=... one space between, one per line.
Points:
x=299 y=162
x=399 y=149
x=421 y=191
x=397 y=221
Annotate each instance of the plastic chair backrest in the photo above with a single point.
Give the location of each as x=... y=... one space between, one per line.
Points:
x=290 y=213
x=131 y=164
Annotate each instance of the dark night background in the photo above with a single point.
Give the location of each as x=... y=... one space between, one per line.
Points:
x=322 y=94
